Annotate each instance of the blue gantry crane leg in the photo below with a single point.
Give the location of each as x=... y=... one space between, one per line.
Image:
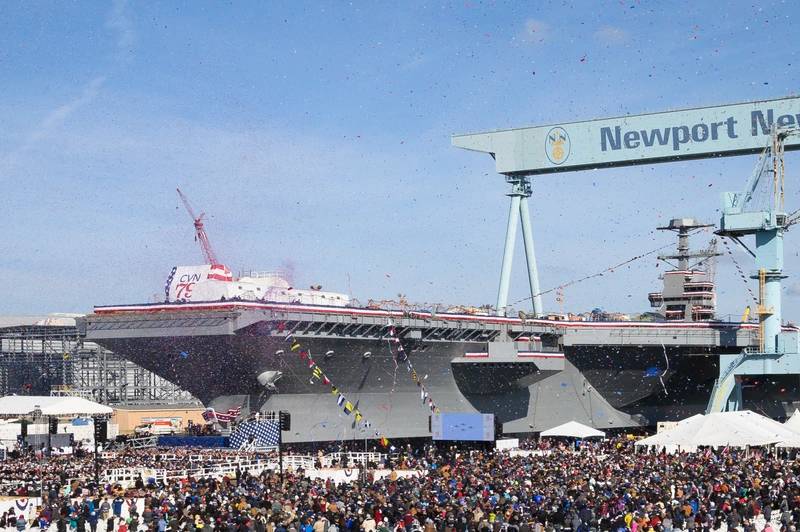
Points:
x=520 y=192
x=743 y=214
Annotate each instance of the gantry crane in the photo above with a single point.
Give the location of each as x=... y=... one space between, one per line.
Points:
x=199 y=230
x=759 y=211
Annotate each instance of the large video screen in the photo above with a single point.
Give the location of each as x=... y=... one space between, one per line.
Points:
x=462 y=426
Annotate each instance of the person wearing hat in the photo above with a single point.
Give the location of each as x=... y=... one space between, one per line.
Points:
x=369 y=524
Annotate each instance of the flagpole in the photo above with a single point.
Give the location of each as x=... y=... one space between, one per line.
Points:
x=365 y=461
x=280 y=447
x=280 y=454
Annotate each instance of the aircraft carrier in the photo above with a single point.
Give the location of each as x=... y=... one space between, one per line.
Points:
x=223 y=340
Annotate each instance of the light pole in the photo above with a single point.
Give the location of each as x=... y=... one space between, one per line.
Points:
x=364 y=462
x=99 y=434
x=96 y=457
x=38 y=416
x=284 y=423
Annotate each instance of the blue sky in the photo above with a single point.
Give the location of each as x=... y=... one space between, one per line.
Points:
x=317 y=136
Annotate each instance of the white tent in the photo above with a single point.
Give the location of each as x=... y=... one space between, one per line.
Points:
x=793 y=422
x=573 y=429
x=732 y=429
x=25 y=405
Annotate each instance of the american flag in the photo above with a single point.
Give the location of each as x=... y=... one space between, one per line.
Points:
x=211 y=415
x=263 y=433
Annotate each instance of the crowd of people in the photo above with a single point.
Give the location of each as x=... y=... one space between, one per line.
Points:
x=25 y=473
x=603 y=487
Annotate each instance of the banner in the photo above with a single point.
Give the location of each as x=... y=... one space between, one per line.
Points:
x=703 y=132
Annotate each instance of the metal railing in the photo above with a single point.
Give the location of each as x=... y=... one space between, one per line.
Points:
x=722 y=384
x=144 y=442
x=352 y=458
x=228 y=466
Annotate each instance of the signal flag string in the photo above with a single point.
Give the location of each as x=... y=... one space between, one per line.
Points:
x=598 y=274
x=402 y=356
x=317 y=373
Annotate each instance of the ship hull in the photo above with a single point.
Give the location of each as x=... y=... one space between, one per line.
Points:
x=526 y=391
x=532 y=374
x=222 y=372
x=631 y=376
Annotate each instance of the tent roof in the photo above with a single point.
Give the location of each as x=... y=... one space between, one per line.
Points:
x=22 y=405
x=734 y=429
x=573 y=429
x=793 y=423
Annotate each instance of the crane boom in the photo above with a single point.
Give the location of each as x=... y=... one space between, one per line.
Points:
x=199 y=230
x=186 y=204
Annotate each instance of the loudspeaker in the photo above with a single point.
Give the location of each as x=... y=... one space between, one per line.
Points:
x=498 y=428
x=23 y=427
x=100 y=431
x=285 y=420
x=53 y=425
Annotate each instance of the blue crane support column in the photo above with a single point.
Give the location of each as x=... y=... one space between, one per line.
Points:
x=769 y=257
x=742 y=216
x=773 y=357
x=520 y=192
x=530 y=256
x=508 y=254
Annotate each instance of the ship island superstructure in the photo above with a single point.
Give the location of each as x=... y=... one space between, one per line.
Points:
x=689 y=293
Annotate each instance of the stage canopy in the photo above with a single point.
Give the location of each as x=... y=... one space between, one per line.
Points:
x=573 y=429
x=26 y=405
x=724 y=429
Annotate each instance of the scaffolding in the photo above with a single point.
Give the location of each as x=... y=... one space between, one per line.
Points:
x=55 y=360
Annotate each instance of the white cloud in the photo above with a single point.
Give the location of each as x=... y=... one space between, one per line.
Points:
x=57 y=116
x=611 y=35
x=52 y=121
x=415 y=62
x=119 y=22
x=535 y=31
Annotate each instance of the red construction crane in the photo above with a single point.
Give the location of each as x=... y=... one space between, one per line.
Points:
x=200 y=232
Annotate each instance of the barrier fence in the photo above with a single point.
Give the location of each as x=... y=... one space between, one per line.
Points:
x=169 y=466
x=352 y=459
x=339 y=467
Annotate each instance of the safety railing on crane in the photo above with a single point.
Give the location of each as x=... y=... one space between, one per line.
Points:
x=724 y=385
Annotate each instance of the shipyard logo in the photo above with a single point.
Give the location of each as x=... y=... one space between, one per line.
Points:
x=557 y=145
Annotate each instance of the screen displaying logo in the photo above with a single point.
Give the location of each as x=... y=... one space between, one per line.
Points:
x=557 y=145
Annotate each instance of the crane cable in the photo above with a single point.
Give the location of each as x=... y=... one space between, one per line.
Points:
x=739 y=269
